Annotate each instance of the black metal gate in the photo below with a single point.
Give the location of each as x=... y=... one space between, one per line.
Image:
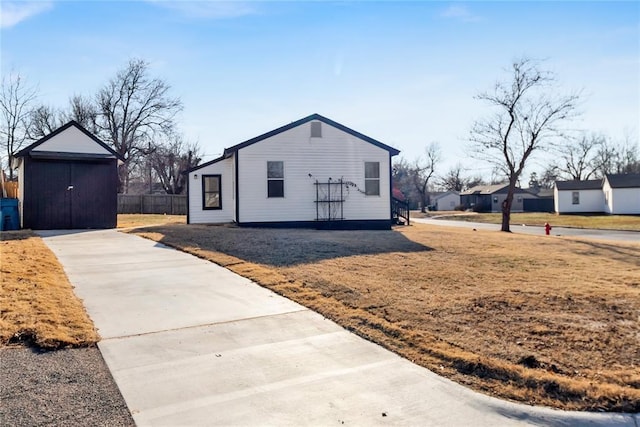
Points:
x=329 y=200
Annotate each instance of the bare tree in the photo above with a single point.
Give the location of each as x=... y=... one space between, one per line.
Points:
x=132 y=108
x=172 y=158
x=402 y=177
x=528 y=113
x=16 y=99
x=629 y=161
x=623 y=157
x=84 y=111
x=43 y=120
x=549 y=176
x=578 y=157
x=422 y=172
x=454 y=180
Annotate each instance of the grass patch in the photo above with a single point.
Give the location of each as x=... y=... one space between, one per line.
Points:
x=141 y=220
x=601 y=222
x=544 y=321
x=37 y=303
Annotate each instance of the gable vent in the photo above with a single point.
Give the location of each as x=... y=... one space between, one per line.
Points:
x=316 y=129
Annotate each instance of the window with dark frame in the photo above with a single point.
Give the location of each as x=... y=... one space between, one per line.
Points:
x=211 y=192
x=372 y=178
x=275 y=179
x=575 y=198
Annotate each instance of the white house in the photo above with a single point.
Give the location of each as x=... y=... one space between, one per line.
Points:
x=313 y=172
x=614 y=194
x=446 y=201
x=578 y=196
x=621 y=193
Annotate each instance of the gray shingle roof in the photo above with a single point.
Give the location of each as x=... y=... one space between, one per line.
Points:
x=592 y=184
x=624 y=180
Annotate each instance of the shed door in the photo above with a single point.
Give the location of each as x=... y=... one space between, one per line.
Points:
x=70 y=195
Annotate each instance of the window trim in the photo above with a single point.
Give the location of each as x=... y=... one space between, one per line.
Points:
x=575 y=197
x=372 y=179
x=204 y=193
x=275 y=179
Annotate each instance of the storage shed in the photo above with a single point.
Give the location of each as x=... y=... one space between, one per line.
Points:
x=68 y=180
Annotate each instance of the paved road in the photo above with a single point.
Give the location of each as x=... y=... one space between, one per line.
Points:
x=611 y=235
x=190 y=343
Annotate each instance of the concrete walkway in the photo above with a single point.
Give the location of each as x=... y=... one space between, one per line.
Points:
x=190 y=343
x=585 y=233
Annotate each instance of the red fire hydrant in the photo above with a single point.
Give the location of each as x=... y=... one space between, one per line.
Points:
x=547 y=228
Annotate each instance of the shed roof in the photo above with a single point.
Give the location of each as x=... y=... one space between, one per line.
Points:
x=31 y=148
x=624 y=180
x=483 y=189
x=592 y=184
x=492 y=189
x=440 y=195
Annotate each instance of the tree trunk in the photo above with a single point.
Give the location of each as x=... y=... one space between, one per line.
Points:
x=423 y=207
x=506 y=207
x=506 y=216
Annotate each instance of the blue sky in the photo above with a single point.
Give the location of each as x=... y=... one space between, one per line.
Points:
x=404 y=73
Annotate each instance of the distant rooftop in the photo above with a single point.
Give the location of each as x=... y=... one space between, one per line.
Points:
x=591 y=184
x=624 y=180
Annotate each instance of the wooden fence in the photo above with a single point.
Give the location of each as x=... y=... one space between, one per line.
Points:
x=11 y=188
x=169 y=204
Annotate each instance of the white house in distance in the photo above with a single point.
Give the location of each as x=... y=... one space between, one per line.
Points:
x=446 y=201
x=313 y=172
x=614 y=194
x=622 y=193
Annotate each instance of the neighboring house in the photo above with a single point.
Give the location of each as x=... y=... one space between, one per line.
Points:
x=68 y=180
x=579 y=196
x=622 y=193
x=311 y=173
x=446 y=201
x=543 y=202
x=489 y=198
x=614 y=194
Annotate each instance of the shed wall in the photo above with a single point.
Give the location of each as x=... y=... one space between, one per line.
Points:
x=447 y=202
x=590 y=201
x=72 y=140
x=624 y=201
x=63 y=194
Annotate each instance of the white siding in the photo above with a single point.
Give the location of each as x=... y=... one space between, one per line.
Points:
x=590 y=201
x=197 y=215
x=624 y=201
x=447 y=202
x=72 y=140
x=335 y=155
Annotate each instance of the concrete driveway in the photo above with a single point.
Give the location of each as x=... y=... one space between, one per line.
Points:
x=190 y=343
x=610 y=235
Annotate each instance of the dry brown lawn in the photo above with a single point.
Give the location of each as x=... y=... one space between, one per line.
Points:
x=548 y=321
x=37 y=303
x=140 y=220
